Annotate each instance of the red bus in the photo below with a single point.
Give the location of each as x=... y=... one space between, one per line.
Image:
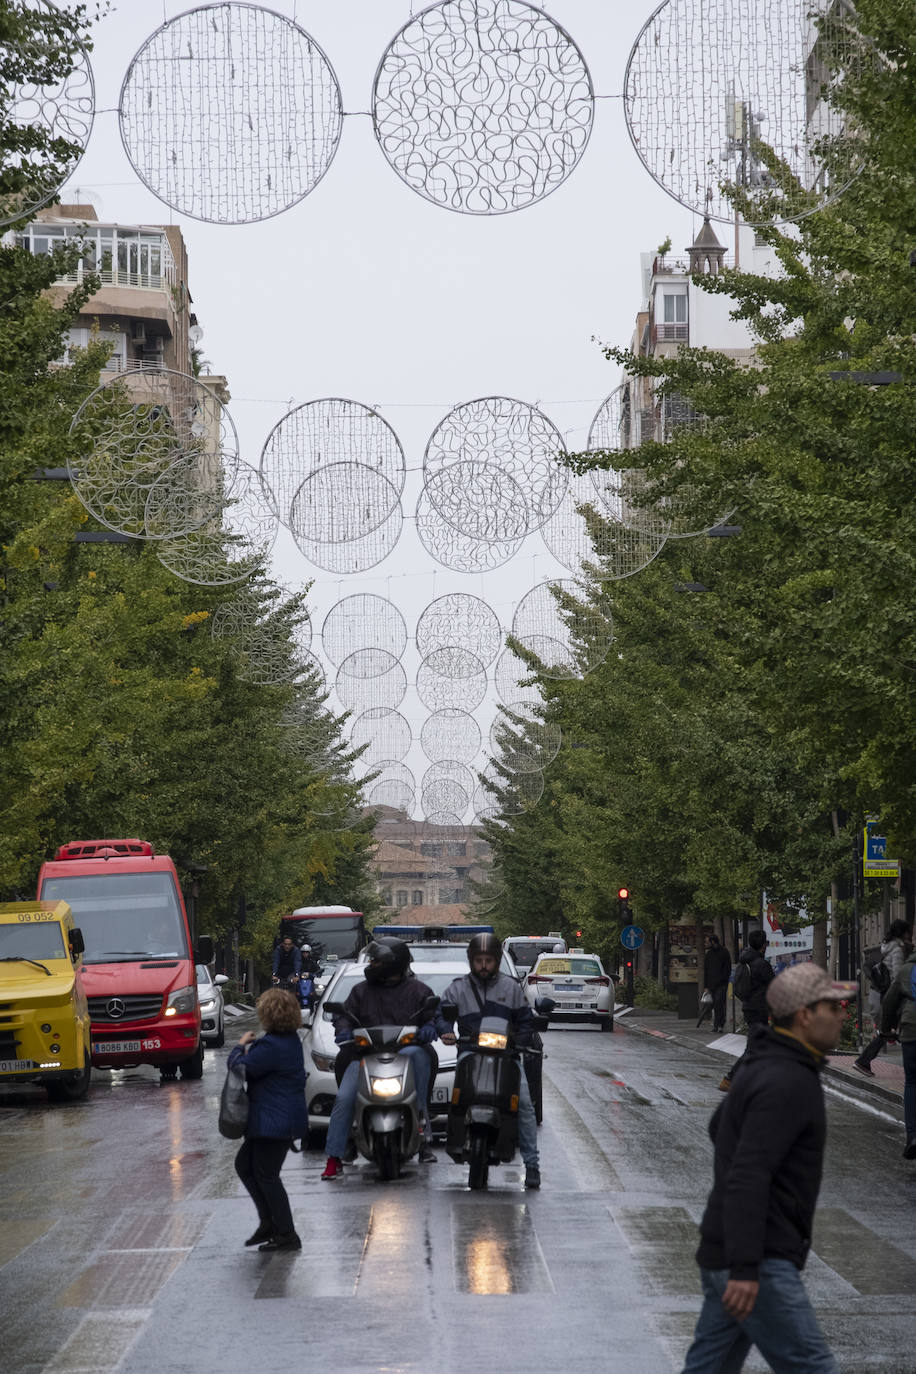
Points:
x=335 y=933
x=139 y=961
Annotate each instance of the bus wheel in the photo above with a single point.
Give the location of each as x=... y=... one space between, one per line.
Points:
x=194 y=1067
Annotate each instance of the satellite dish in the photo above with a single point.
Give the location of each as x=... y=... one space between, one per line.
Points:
x=195 y=333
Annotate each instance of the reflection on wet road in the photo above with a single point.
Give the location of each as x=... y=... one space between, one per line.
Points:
x=122 y=1220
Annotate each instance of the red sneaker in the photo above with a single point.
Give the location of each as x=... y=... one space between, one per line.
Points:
x=333 y=1168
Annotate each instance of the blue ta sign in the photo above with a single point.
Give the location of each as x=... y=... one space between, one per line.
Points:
x=631 y=937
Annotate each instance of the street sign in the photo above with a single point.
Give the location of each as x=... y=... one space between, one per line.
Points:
x=631 y=937
x=875 y=863
x=885 y=868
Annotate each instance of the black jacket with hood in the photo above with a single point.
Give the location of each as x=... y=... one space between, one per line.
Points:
x=769 y=1136
x=762 y=974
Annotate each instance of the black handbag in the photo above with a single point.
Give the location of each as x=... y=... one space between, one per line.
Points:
x=233 y=1103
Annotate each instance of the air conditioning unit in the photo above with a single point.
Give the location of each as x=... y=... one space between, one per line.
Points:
x=138 y=333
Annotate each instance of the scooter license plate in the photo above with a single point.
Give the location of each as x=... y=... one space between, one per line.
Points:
x=440 y=1094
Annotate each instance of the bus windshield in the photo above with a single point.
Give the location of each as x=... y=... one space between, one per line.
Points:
x=123 y=916
x=341 y=936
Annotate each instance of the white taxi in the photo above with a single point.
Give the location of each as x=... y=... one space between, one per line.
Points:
x=578 y=984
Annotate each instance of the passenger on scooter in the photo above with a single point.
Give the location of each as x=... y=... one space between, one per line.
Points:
x=390 y=996
x=487 y=992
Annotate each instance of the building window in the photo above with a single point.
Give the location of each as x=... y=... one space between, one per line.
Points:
x=674 y=308
x=401 y=897
x=452 y=895
x=418 y=896
x=386 y=896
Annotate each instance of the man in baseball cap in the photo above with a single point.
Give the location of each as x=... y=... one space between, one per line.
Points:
x=769 y=1136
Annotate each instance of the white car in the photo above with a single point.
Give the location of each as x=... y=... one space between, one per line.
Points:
x=210 y=997
x=321 y=1051
x=578 y=984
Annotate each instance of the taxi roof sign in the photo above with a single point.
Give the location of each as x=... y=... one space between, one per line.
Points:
x=24 y=913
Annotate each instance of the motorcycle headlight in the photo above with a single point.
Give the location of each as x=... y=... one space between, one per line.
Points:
x=181 y=1000
x=386 y=1087
x=490 y=1040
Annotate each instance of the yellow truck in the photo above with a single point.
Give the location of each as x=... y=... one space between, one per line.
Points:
x=44 y=1015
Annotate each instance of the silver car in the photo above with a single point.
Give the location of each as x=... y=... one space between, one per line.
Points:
x=212 y=1015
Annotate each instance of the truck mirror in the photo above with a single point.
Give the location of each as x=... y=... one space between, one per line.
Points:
x=203 y=954
x=77 y=943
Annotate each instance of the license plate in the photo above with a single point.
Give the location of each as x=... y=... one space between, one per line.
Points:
x=123 y=1046
x=570 y=987
x=14 y=1065
x=440 y=1094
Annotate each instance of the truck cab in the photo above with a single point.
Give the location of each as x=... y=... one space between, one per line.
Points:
x=44 y=1015
x=139 y=963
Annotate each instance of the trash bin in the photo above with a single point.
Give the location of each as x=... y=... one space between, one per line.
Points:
x=688 y=1001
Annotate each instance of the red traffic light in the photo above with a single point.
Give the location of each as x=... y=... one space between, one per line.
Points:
x=623 y=893
x=578 y=934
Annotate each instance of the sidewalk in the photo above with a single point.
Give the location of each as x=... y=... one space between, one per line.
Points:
x=888 y=1067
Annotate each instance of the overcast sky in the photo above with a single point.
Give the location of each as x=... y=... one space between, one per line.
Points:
x=364 y=290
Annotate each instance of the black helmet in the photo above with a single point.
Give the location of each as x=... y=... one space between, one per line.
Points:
x=389 y=960
x=485 y=943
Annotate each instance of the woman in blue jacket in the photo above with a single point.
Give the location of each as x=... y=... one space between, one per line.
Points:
x=275 y=1070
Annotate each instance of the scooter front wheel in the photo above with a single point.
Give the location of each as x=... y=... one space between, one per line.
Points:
x=479 y=1158
x=387 y=1153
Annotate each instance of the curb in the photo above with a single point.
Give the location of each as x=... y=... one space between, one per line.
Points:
x=829 y=1070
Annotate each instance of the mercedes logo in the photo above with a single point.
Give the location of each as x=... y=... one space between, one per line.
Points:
x=115 y=1008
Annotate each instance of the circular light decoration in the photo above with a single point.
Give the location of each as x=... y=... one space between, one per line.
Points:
x=322 y=434
x=353 y=555
x=390 y=792
x=385 y=733
x=510 y=675
x=451 y=677
x=449 y=828
x=230 y=113
x=444 y=795
x=460 y=552
x=340 y=503
x=153 y=429
x=496 y=796
x=449 y=770
x=51 y=119
x=275 y=645
x=462 y=620
x=482 y=106
x=716 y=89
x=522 y=741
x=450 y=734
x=628 y=494
x=583 y=530
x=236 y=547
x=306 y=733
x=491 y=471
x=540 y=624
x=370 y=677
x=363 y=621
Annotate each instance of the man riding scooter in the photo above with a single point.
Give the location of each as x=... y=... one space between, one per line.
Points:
x=390 y=996
x=485 y=992
x=287 y=966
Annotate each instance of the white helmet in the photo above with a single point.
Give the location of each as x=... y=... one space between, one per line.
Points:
x=306 y=949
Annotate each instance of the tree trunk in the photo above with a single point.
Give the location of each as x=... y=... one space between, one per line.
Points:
x=819 y=943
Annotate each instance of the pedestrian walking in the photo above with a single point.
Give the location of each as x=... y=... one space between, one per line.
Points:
x=769 y=1136
x=896 y=946
x=753 y=974
x=275 y=1072
x=717 y=970
x=898 y=1017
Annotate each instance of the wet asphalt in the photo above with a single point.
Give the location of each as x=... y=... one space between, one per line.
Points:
x=122 y=1221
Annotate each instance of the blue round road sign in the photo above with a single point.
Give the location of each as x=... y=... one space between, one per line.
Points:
x=631 y=937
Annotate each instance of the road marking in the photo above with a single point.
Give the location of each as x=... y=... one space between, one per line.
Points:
x=862 y=1106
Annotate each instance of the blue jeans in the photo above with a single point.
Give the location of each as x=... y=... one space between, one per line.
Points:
x=527 y=1121
x=908 y=1048
x=345 y=1103
x=782 y=1325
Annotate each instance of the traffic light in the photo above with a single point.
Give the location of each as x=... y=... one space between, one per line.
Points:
x=578 y=934
x=624 y=914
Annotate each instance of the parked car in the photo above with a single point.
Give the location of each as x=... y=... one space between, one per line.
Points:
x=578 y=984
x=212 y=1013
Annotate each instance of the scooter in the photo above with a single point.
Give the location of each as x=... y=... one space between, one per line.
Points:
x=483 y=1116
x=388 y=1114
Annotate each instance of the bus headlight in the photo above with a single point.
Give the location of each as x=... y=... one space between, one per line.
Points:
x=181 y=1000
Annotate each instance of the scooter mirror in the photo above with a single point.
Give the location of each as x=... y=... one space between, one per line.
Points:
x=544 y=1005
x=335 y=1008
x=431 y=1003
x=449 y=1011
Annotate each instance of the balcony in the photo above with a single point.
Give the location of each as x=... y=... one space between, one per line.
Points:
x=671 y=333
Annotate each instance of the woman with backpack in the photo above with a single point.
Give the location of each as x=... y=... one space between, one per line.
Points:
x=898 y=1019
x=896 y=947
